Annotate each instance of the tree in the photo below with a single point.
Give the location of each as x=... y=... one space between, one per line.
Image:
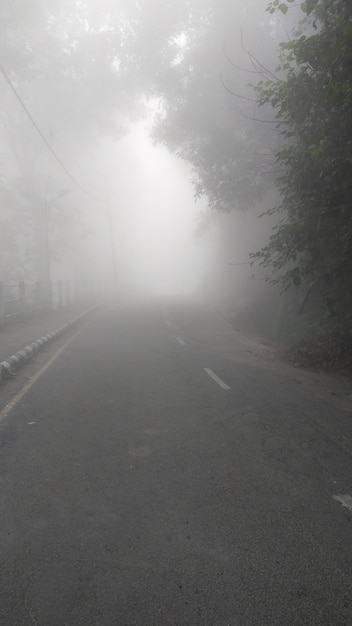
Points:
x=65 y=61
x=312 y=242
x=194 y=64
x=209 y=115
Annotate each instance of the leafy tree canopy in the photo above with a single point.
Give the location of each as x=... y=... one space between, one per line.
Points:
x=312 y=97
x=208 y=114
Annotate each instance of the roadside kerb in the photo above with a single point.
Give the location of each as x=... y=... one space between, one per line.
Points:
x=9 y=366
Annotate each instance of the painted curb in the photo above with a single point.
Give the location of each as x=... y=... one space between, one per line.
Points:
x=17 y=360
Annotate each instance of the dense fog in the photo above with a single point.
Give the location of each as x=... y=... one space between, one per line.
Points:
x=175 y=312
x=141 y=143
x=105 y=173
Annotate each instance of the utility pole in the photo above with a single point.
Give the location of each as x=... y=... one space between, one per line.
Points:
x=112 y=237
x=46 y=260
x=46 y=287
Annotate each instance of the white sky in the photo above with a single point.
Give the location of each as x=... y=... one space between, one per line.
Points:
x=155 y=217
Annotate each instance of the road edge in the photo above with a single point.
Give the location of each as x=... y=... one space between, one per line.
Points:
x=9 y=366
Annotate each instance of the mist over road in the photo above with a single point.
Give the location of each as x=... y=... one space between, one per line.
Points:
x=157 y=473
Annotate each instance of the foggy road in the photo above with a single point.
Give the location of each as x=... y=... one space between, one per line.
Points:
x=158 y=473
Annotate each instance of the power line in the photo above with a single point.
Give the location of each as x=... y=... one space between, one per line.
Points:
x=42 y=136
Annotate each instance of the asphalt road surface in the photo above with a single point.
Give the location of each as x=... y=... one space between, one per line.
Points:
x=159 y=473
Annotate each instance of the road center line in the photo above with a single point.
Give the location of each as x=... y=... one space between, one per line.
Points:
x=216 y=378
x=345 y=500
x=180 y=341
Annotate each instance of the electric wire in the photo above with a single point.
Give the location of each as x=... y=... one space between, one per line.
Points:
x=43 y=138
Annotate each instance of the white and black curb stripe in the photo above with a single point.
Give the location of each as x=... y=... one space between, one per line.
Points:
x=15 y=361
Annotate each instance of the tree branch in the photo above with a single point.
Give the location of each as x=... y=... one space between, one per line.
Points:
x=254 y=119
x=236 y=94
x=237 y=66
x=253 y=60
x=310 y=289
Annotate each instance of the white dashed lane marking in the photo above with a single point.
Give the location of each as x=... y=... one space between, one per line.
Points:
x=180 y=341
x=345 y=500
x=216 y=378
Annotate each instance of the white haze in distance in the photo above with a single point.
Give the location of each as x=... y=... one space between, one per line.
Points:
x=155 y=218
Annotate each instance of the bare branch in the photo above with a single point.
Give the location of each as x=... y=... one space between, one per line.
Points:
x=236 y=94
x=286 y=31
x=254 y=61
x=237 y=66
x=309 y=291
x=254 y=119
x=241 y=263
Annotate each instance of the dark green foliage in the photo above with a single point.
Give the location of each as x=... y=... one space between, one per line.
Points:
x=208 y=112
x=312 y=96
